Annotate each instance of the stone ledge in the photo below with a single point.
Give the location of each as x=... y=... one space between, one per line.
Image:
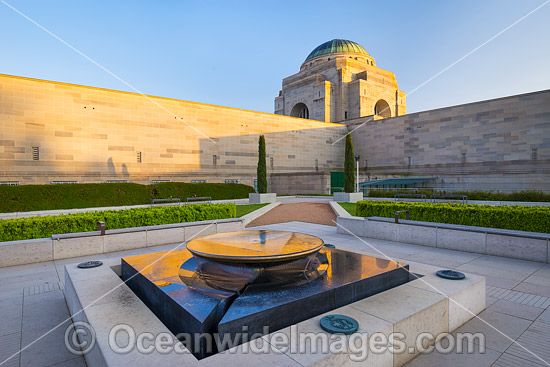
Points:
x=348 y=197
x=262 y=198
x=521 y=245
x=499 y=231
x=25 y=252
x=338 y=210
x=69 y=245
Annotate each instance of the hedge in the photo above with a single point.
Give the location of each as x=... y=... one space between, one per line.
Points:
x=515 y=217
x=529 y=196
x=217 y=191
x=50 y=197
x=43 y=227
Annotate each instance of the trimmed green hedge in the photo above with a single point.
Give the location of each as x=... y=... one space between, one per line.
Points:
x=529 y=196
x=49 y=197
x=217 y=191
x=520 y=218
x=42 y=227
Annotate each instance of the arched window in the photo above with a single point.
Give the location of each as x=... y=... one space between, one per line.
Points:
x=382 y=108
x=300 y=110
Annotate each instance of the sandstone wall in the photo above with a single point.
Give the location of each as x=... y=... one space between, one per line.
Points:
x=89 y=134
x=497 y=144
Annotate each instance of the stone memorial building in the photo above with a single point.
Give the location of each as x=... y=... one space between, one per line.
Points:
x=339 y=81
x=53 y=132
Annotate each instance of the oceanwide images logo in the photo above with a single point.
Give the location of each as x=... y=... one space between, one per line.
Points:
x=80 y=338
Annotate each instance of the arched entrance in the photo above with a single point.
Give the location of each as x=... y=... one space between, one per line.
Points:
x=300 y=110
x=382 y=108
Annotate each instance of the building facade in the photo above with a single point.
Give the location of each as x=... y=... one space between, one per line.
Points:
x=499 y=144
x=339 y=81
x=52 y=132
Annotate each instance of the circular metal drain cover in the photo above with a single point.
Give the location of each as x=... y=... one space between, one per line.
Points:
x=90 y=264
x=339 y=324
x=329 y=245
x=450 y=274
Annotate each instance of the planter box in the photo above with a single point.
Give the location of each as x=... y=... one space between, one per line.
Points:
x=348 y=197
x=262 y=198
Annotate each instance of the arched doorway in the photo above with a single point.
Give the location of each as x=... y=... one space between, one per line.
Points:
x=382 y=108
x=300 y=110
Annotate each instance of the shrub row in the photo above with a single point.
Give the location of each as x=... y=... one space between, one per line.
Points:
x=50 y=197
x=42 y=227
x=520 y=218
x=530 y=196
x=217 y=191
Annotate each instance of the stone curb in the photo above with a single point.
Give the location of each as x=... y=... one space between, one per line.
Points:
x=258 y=213
x=338 y=210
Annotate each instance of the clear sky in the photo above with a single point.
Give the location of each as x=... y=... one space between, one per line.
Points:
x=236 y=53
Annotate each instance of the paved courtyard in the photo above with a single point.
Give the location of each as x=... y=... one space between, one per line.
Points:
x=518 y=296
x=310 y=212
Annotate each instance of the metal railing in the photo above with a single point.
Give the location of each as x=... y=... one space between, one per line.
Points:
x=199 y=198
x=464 y=198
x=101 y=227
x=168 y=200
x=399 y=212
x=420 y=196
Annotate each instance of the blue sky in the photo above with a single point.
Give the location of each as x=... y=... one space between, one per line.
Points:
x=236 y=53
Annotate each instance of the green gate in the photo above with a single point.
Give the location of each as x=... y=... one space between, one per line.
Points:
x=336 y=182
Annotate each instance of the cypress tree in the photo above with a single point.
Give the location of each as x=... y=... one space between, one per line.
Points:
x=349 y=169
x=262 y=169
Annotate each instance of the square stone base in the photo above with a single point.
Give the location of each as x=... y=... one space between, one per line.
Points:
x=349 y=278
x=262 y=198
x=348 y=197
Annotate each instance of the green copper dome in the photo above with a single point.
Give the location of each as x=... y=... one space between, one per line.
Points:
x=337 y=46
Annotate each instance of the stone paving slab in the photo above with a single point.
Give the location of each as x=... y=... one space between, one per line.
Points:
x=500 y=330
x=11 y=311
x=516 y=309
x=456 y=360
x=10 y=345
x=510 y=360
x=537 y=340
x=534 y=289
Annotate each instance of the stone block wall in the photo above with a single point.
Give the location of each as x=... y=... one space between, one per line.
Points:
x=300 y=183
x=497 y=144
x=90 y=134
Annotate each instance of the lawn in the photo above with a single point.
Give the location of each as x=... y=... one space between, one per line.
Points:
x=248 y=208
x=349 y=207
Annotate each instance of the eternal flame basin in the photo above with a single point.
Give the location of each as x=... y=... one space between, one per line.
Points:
x=252 y=281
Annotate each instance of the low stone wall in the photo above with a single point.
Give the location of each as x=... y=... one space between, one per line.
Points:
x=314 y=182
x=93 y=243
x=338 y=210
x=488 y=241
